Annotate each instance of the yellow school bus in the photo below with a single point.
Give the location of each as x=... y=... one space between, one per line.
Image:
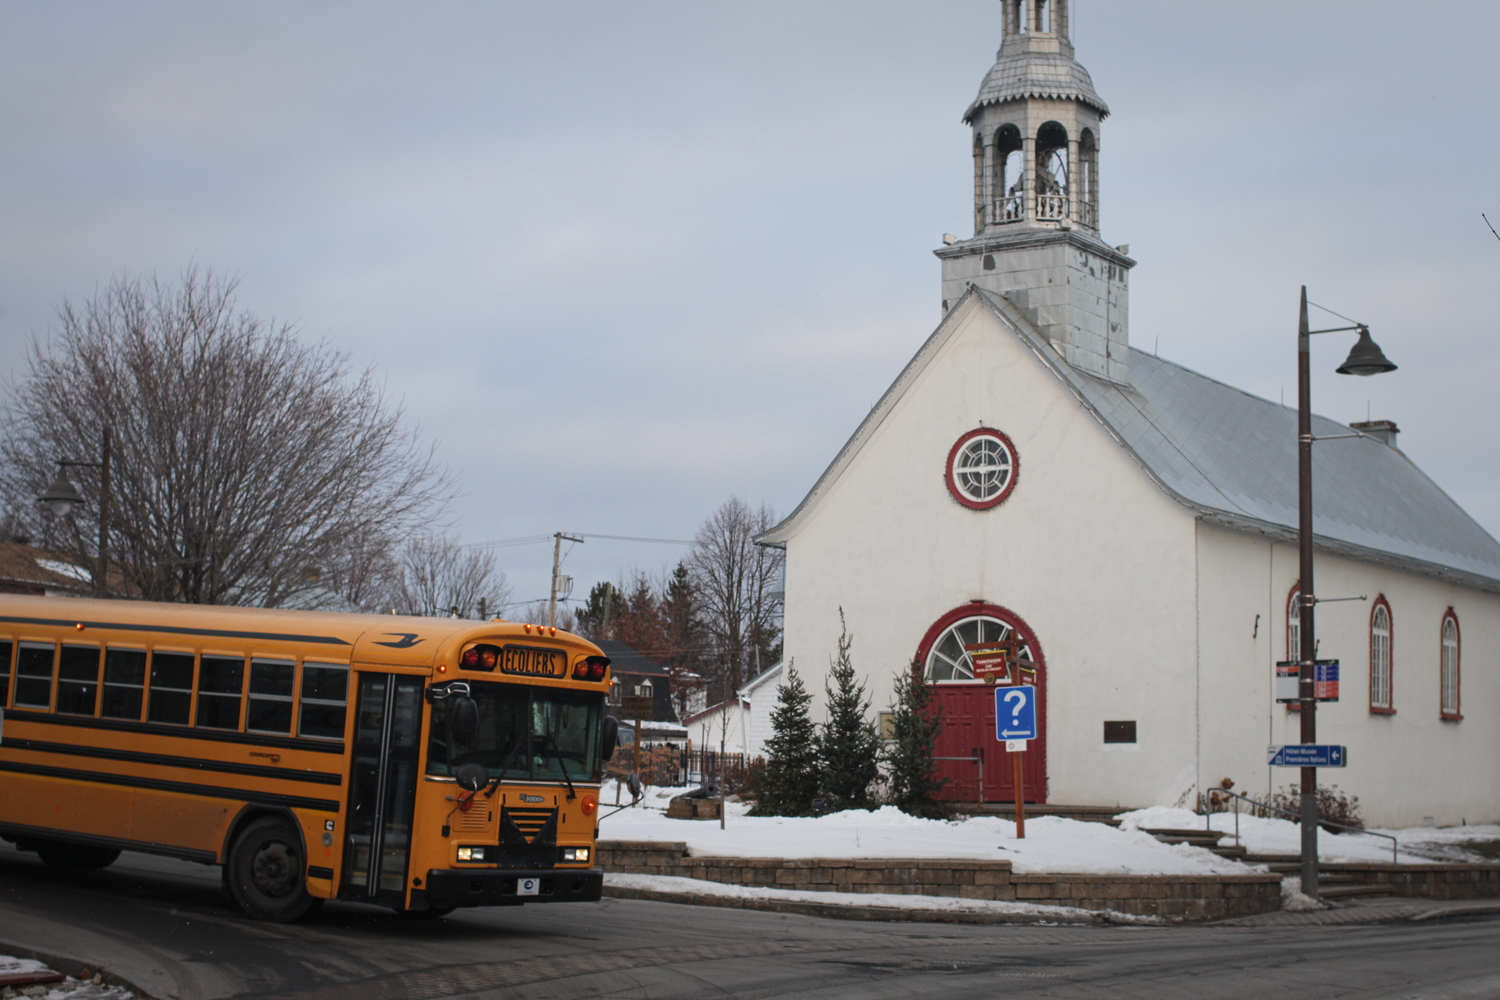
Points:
x=417 y=763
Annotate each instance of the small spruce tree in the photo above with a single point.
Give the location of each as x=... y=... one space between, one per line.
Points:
x=916 y=722
x=850 y=746
x=790 y=778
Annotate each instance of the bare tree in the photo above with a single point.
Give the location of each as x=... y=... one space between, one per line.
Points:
x=734 y=579
x=247 y=466
x=438 y=576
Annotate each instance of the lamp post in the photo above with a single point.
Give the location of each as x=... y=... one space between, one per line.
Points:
x=1364 y=359
x=61 y=497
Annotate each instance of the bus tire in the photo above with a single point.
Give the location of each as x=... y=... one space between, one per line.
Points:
x=75 y=857
x=266 y=872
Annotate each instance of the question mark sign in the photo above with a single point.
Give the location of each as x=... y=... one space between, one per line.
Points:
x=1017 y=701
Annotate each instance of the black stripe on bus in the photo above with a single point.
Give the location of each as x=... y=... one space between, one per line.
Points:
x=180 y=787
x=165 y=760
x=180 y=732
x=218 y=633
x=316 y=871
x=17 y=831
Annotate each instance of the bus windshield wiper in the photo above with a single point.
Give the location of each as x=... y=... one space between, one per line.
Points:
x=515 y=745
x=557 y=756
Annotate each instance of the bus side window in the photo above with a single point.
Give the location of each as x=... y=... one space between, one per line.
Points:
x=6 y=647
x=171 y=688
x=221 y=679
x=270 y=696
x=124 y=683
x=34 y=675
x=325 y=696
x=78 y=680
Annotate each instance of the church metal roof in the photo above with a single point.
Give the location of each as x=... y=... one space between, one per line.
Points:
x=1036 y=74
x=1232 y=457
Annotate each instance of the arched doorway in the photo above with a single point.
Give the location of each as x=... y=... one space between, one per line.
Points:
x=968 y=705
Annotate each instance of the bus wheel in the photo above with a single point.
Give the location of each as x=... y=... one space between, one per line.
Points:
x=75 y=857
x=265 y=872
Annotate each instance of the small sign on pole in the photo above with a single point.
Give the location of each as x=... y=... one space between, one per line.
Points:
x=989 y=661
x=1308 y=755
x=1325 y=681
x=1015 y=712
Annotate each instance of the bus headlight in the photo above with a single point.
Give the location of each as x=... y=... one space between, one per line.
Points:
x=576 y=854
x=471 y=854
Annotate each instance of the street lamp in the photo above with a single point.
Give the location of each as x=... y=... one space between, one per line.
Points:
x=1364 y=359
x=61 y=497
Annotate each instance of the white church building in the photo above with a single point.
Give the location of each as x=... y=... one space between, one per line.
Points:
x=1032 y=481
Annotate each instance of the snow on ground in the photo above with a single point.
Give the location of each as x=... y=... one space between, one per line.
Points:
x=668 y=883
x=69 y=989
x=1051 y=844
x=1279 y=836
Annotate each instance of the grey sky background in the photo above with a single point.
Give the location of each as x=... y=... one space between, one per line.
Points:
x=623 y=260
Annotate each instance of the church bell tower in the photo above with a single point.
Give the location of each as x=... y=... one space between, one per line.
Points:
x=1036 y=196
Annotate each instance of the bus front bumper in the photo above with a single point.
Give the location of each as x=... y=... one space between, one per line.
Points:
x=510 y=887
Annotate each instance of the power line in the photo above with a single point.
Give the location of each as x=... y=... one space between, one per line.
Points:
x=536 y=539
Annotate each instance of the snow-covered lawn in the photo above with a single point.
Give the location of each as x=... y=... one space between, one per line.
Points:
x=667 y=883
x=1051 y=844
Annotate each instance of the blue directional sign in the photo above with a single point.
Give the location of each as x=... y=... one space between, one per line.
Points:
x=1015 y=712
x=1308 y=755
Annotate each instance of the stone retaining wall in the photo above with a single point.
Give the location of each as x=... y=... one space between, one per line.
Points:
x=1174 y=897
x=1426 y=881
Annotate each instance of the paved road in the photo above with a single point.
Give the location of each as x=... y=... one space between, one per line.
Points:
x=163 y=925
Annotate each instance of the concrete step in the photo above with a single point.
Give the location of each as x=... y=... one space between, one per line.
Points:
x=1350 y=891
x=1007 y=810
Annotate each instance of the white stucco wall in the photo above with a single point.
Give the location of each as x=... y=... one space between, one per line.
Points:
x=1404 y=766
x=1086 y=549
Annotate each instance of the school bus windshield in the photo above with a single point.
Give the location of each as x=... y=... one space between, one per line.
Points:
x=525 y=733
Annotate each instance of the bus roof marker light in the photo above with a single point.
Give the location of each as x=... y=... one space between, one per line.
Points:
x=79 y=626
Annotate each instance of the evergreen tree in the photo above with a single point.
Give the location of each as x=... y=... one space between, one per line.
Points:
x=849 y=743
x=916 y=722
x=790 y=778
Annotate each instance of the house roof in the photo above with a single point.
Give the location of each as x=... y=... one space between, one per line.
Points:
x=625 y=660
x=1231 y=458
x=27 y=565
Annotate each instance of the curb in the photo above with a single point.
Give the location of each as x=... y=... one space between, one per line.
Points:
x=1475 y=910
x=75 y=967
x=839 y=911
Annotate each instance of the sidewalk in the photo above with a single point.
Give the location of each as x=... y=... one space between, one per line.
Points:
x=1371 y=910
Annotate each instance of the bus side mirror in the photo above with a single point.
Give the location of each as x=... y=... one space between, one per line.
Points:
x=611 y=737
x=463 y=720
x=472 y=777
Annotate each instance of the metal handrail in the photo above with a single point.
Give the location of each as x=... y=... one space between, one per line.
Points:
x=1208 y=816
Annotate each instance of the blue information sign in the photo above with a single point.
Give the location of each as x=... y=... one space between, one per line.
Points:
x=1308 y=755
x=1015 y=712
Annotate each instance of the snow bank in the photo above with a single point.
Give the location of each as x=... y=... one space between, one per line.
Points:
x=666 y=883
x=1281 y=836
x=1051 y=845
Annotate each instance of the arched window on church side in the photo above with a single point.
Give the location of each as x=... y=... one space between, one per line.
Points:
x=1051 y=172
x=1448 y=667
x=1088 y=179
x=1382 y=697
x=1010 y=184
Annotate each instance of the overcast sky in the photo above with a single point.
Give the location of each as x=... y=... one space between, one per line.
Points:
x=623 y=260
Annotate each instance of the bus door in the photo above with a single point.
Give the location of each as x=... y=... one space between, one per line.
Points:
x=382 y=789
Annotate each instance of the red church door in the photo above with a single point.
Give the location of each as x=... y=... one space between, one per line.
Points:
x=968 y=705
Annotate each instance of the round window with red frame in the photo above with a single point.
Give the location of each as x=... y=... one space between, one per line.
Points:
x=982 y=468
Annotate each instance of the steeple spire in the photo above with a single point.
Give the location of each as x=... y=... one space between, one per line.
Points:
x=1036 y=125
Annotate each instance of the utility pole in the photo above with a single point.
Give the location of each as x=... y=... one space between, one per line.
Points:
x=557 y=541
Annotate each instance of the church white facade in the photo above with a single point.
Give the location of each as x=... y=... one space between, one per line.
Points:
x=1127 y=528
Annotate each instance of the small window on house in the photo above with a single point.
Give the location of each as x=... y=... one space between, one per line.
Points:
x=1119 y=732
x=270 y=709
x=325 y=694
x=34 y=675
x=643 y=689
x=78 y=680
x=1448 y=667
x=6 y=648
x=1380 y=657
x=171 y=697
x=124 y=683
x=614 y=690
